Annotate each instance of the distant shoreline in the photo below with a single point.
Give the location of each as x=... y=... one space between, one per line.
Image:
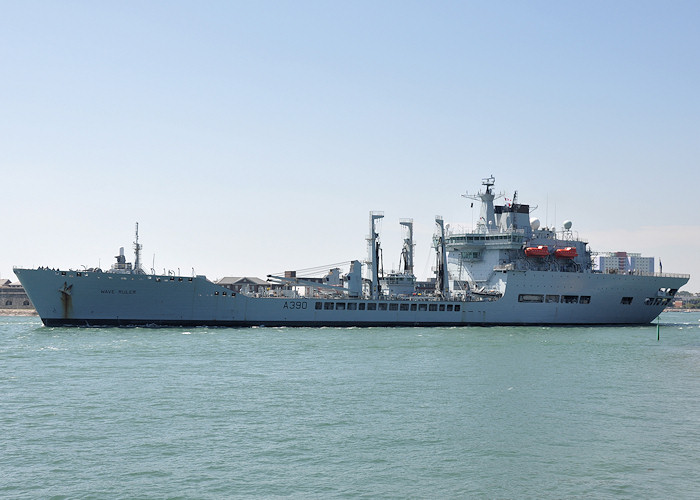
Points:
x=18 y=312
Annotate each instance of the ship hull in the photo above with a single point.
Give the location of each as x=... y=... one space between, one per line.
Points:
x=74 y=298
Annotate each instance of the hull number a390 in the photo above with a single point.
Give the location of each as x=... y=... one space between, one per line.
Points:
x=295 y=304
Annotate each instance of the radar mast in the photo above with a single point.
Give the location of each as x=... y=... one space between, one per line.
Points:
x=487 y=220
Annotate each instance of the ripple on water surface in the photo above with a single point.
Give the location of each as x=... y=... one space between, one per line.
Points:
x=337 y=412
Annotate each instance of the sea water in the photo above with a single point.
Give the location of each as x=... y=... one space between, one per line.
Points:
x=500 y=412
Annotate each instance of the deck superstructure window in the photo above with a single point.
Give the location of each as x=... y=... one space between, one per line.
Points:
x=432 y=307
x=361 y=306
x=569 y=299
x=585 y=299
x=340 y=306
x=328 y=306
x=352 y=306
x=626 y=301
x=414 y=307
x=450 y=307
x=551 y=298
x=403 y=307
x=382 y=306
x=372 y=306
x=422 y=307
x=393 y=307
x=319 y=305
x=530 y=297
x=457 y=307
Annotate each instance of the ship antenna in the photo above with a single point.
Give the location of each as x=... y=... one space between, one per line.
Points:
x=137 y=252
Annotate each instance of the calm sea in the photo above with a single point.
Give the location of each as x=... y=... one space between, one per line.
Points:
x=515 y=412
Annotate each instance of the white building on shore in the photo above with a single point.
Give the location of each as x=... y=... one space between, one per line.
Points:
x=624 y=263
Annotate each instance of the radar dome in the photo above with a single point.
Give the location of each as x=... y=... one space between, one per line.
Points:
x=535 y=224
x=567 y=224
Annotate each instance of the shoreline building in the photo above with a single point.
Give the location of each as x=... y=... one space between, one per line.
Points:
x=624 y=263
x=13 y=296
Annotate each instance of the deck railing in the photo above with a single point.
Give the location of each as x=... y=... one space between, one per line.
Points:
x=640 y=273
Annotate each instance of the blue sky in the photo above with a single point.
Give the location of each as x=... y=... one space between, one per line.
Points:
x=253 y=137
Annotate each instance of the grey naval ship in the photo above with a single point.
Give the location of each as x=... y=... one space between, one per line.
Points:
x=507 y=270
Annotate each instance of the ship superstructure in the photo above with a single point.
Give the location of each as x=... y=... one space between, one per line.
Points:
x=506 y=271
x=506 y=239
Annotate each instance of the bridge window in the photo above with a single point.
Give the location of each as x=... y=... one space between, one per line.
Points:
x=432 y=307
x=585 y=299
x=352 y=306
x=319 y=305
x=382 y=306
x=328 y=306
x=569 y=299
x=404 y=307
x=552 y=298
x=626 y=301
x=372 y=306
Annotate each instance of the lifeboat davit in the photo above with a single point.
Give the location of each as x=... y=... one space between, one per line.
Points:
x=538 y=251
x=566 y=253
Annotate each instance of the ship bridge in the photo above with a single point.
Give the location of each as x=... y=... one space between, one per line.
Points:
x=459 y=241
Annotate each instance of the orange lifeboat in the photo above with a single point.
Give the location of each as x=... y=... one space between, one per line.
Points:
x=538 y=251
x=566 y=253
